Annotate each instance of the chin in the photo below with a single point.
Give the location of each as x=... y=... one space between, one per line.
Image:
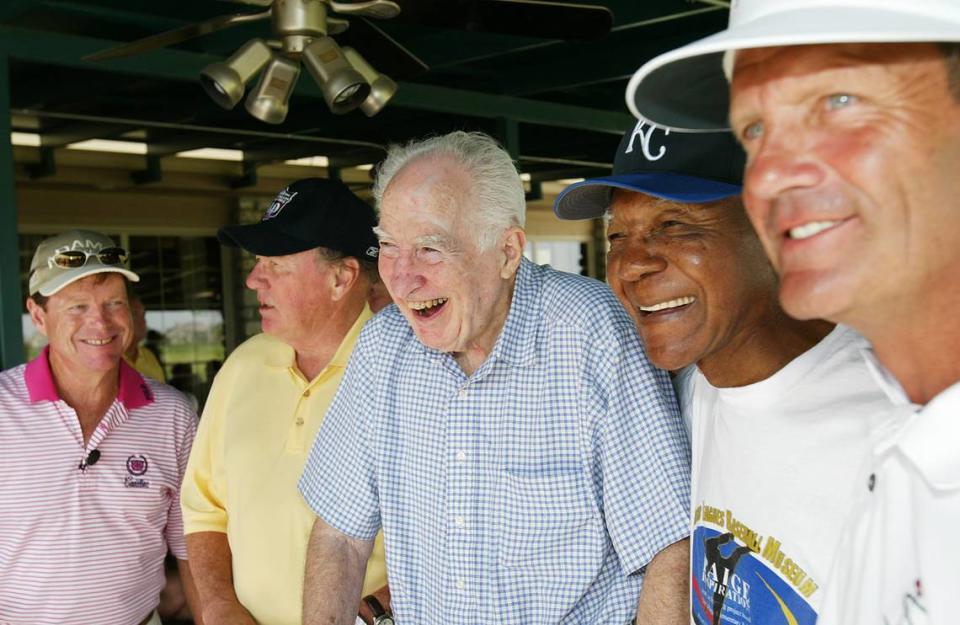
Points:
x=668 y=358
x=809 y=297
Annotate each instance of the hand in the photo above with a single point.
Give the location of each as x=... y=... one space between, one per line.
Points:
x=226 y=613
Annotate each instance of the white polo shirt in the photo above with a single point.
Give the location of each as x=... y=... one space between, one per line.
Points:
x=900 y=558
x=86 y=545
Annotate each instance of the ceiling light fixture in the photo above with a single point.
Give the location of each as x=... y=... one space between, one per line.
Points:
x=382 y=88
x=343 y=88
x=270 y=99
x=304 y=31
x=225 y=82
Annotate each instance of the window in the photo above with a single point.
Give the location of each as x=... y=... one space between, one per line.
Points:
x=569 y=256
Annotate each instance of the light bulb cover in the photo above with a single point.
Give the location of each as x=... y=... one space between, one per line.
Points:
x=270 y=99
x=382 y=87
x=343 y=87
x=225 y=82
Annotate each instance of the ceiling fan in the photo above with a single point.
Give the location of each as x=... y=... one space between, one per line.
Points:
x=303 y=32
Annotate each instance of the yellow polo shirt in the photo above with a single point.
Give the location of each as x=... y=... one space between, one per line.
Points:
x=257 y=428
x=147 y=363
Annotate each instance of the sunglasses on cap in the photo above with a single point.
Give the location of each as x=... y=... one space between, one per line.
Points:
x=71 y=259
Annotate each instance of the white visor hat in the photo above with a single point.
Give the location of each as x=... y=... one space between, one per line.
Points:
x=687 y=89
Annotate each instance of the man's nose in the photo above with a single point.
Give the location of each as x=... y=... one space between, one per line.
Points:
x=780 y=164
x=640 y=259
x=404 y=274
x=255 y=279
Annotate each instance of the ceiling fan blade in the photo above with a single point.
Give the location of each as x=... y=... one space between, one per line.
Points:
x=175 y=36
x=525 y=18
x=380 y=9
x=381 y=50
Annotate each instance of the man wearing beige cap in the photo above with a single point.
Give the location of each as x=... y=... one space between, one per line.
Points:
x=93 y=453
x=850 y=115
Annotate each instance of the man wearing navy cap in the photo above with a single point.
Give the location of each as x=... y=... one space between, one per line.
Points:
x=757 y=388
x=245 y=522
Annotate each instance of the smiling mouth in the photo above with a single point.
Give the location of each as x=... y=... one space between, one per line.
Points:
x=668 y=306
x=98 y=342
x=425 y=309
x=812 y=228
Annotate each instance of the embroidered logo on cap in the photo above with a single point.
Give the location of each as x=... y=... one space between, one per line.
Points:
x=645 y=136
x=283 y=198
x=373 y=251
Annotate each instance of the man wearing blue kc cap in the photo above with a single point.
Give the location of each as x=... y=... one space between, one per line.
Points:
x=850 y=113
x=756 y=387
x=245 y=522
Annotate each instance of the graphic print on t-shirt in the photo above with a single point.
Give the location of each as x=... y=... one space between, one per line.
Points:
x=741 y=578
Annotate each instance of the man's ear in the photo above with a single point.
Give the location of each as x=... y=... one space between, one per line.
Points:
x=345 y=274
x=37 y=315
x=512 y=244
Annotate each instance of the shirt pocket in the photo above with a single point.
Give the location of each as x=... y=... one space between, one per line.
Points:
x=548 y=521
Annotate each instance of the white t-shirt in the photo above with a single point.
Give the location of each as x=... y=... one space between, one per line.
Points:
x=899 y=562
x=775 y=465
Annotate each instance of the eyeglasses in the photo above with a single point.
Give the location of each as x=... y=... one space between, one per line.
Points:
x=71 y=259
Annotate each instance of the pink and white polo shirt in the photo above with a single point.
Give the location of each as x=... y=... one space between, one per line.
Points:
x=85 y=544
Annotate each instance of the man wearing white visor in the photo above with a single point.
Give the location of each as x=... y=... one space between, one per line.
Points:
x=849 y=112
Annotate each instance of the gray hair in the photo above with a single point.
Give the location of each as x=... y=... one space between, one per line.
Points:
x=497 y=188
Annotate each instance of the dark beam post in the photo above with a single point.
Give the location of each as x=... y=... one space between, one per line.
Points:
x=11 y=299
x=509 y=131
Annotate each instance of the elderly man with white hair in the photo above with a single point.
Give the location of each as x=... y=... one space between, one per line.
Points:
x=849 y=111
x=501 y=422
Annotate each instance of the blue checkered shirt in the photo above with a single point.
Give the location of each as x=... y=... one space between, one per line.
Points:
x=534 y=491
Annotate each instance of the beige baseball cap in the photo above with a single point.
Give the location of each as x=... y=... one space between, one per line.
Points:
x=65 y=258
x=687 y=89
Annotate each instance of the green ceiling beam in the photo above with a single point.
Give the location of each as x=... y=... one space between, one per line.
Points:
x=14 y=8
x=489 y=106
x=169 y=64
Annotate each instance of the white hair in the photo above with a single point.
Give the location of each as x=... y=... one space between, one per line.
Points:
x=497 y=188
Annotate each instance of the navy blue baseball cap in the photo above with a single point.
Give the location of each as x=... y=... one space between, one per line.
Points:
x=693 y=168
x=310 y=213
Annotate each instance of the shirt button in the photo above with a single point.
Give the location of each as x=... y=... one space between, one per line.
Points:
x=461 y=456
x=306 y=393
x=871 y=482
x=462 y=393
x=460 y=521
x=299 y=420
x=461 y=583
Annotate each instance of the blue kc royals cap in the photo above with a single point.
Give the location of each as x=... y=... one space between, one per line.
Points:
x=693 y=168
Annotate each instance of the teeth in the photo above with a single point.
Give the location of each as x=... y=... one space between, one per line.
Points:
x=674 y=303
x=430 y=303
x=808 y=230
x=97 y=341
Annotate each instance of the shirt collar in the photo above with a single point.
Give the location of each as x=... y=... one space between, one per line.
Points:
x=283 y=356
x=132 y=390
x=930 y=440
x=928 y=434
x=517 y=340
x=342 y=355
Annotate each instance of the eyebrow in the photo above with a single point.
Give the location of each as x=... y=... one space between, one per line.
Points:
x=434 y=240
x=427 y=240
